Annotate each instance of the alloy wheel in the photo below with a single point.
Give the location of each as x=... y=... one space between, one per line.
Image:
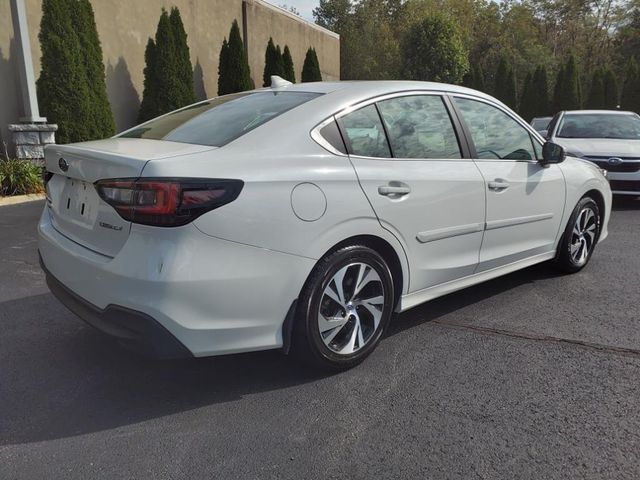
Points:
x=351 y=308
x=583 y=235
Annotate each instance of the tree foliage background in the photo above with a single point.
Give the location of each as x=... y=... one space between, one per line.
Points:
x=580 y=36
x=71 y=88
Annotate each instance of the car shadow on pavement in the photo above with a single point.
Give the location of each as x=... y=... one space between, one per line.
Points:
x=452 y=302
x=626 y=203
x=60 y=378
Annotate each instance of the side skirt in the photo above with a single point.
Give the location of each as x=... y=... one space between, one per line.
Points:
x=414 y=299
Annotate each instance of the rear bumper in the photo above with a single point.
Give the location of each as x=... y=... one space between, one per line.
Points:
x=212 y=295
x=133 y=330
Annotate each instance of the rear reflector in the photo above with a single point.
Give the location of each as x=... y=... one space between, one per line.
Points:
x=166 y=202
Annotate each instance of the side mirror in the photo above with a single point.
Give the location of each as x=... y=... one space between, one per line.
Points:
x=552 y=153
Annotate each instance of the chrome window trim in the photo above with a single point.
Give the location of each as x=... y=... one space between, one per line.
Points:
x=320 y=140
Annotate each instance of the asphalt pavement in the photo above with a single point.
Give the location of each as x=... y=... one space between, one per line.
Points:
x=533 y=375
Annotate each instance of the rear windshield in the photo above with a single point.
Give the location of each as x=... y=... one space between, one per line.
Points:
x=218 y=121
x=600 y=125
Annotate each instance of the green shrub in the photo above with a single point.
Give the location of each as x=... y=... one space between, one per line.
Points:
x=311 y=67
x=168 y=75
x=20 y=177
x=273 y=63
x=631 y=88
x=234 y=74
x=505 y=86
x=287 y=61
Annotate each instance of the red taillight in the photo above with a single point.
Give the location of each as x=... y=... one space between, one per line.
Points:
x=166 y=202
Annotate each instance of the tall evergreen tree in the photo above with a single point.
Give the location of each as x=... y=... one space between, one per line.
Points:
x=540 y=92
x=556 y=103
x=287 y=62
x=148 y=108
x=62 y=88
x=183 y=68
x=571 y=98
x=478 y=78
x=527 y=99
x=234 y=72
x=505 y=86
x=273 y=64
x=223 y=66
x=631 y=89
x=311 y=67
x=101 y=123
x=168 y=75
x=596 y=99
x=610 y=89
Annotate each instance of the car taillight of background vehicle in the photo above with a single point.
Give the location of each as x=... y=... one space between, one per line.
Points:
x=166 y=202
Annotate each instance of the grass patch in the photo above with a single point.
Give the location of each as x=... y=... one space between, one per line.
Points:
x=20 y=177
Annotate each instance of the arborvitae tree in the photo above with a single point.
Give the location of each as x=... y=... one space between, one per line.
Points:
x=311 y=67
x=505 y=87
x=596 y=99
x=527 y=99
x=287 y=62
x=478 y=78
x=571 y=88
x=168 y=75
x=468 y=80
x=631 y=89
x=148 y=108
x=234 y=73
x=540 y=93
x=101 y=123
x=556 y=104
x=610 y=89
x=434 y=51
x=223 y=66
x=63 y=91
x=273 y=64
x=279 y=61
x=183 y=68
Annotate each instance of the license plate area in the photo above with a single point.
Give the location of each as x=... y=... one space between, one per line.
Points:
x=79 y=202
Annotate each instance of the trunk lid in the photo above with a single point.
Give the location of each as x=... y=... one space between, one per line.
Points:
x=76 y=209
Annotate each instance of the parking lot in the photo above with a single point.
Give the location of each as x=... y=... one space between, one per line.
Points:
x=533 y=375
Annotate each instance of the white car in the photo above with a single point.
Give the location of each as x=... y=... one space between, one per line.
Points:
x=301 y=217
x=608 y=138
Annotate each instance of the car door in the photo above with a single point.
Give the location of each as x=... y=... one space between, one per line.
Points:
x=525 y=200
x=410 y=165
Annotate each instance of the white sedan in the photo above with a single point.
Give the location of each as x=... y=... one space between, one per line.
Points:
x=301 y=217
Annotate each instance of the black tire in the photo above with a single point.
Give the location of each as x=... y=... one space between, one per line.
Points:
x=565 y=260
x=308 y=343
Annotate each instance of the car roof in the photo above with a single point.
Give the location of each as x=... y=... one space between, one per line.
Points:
x=377 y=87
x=591 y=112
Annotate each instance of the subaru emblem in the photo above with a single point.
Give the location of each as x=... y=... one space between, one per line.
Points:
x=62 y=163
x=615 y=161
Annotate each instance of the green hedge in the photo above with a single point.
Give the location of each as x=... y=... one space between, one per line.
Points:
x=20 y=177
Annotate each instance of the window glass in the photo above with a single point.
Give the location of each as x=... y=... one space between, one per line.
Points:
x=332 y=135
x=365 y=133
x=495 y=134
x=419 y=127
x=218 y=121
x=600 y=125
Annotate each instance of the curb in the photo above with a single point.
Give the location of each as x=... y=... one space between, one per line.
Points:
x=21 y=199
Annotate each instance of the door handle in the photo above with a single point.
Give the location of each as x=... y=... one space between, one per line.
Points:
x=498 y=185
x=394 y=191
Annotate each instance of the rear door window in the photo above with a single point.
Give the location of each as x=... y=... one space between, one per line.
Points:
x=365 y=134
x=419 y=126
x=221 y=120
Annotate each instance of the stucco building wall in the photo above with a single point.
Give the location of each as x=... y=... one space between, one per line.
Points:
x=124 y=27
